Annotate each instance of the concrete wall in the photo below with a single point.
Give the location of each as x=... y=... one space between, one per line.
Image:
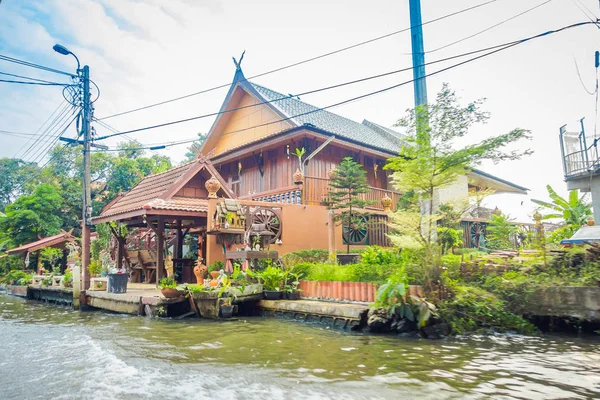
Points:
x=568 y=301
x=455 y=194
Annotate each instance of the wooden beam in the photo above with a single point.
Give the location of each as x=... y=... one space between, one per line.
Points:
x=160 y=247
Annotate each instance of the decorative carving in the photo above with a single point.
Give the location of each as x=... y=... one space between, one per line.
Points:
x=212 y=185
x=590 y=221
x=386 y=202
x=298 y=177
x=230 y=214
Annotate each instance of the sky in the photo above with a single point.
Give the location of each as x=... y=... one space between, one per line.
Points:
x=142 y=52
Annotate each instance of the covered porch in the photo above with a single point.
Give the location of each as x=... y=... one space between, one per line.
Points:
x=28 y=250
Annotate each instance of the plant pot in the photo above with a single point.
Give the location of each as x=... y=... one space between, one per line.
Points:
x=345 y=259
x=272 y=294
x=226 y=311
x=292 y=296
x=171 y=293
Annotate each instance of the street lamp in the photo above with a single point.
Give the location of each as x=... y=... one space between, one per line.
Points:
x=60 y=49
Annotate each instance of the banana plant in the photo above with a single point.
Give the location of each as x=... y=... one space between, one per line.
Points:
x=574 y=210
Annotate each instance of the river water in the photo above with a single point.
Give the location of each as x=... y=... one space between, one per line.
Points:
x=49 y=352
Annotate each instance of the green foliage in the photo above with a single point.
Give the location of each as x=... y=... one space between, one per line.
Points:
x=14 y=176
x=449 y=238
x=330 y=273
x=475 y=310
x=68 y=278
x=193 y=150
x=499 y=232
x=348 y=182
x=216 y=266
x=167 y=283
x=573 y=211
x=10 y=263
x=95 y=268
x=15 y=277
x=50 y=258
x=376 y=255
x=305 y=256
x=31 y=215
x=272 y=278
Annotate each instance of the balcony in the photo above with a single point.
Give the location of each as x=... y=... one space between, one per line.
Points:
x=316 y=190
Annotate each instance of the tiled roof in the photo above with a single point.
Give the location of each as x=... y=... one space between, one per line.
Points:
x=150 y=188
x=180 y=204
x=42 y=243
x=370 y=134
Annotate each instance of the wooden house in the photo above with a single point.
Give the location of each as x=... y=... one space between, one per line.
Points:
x=250 y=154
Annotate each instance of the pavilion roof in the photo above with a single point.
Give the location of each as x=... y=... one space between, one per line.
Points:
x=158 y=191
x=50 y=241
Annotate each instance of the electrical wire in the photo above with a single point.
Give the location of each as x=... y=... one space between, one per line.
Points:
x=33 y=65
x=48 y=148
x=303 y=61
x=496 y=50
x=52 y=136
x=502 y=46
x=25 y=77
x=592 y=17
x=488 y=28
x=35 y=83
x=39 y=129
x=46 y=132
x=581 y=80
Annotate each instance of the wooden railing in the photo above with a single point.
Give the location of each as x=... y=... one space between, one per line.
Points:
x=316 y=190
x=289 y=195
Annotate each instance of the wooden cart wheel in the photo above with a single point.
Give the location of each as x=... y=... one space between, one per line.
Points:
x=271 y=219
x=356 y=233
x=477 y=234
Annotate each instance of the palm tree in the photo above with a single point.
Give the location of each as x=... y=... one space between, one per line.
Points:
x=574 y=210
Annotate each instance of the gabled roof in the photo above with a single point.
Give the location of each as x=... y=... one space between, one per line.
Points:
x=50 y=241
x=158 y=191
x=305 y=114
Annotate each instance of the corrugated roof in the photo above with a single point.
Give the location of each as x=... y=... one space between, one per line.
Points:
x=370 y=134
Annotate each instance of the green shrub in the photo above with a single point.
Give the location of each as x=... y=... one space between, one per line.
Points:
x=330 y=272
x=216 y=266
x=94 y=268
x=14 y=276
x=305 y=256
x=376 y=255
x=272 y=278
x=472 y=310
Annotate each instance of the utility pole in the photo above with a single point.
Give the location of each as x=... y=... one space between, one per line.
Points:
x=418 y=53
x=86 y=222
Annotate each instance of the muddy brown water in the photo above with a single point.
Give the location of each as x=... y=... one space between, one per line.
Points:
x=52 y=352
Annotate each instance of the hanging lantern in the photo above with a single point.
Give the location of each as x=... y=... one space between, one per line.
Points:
x=375 y=168
x=287 y=151
x=240 y=168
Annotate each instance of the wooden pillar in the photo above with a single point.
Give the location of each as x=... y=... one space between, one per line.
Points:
x=160 y=249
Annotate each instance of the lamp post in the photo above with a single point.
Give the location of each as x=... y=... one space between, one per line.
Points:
x=84 y=78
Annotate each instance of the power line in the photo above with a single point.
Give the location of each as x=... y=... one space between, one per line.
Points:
x=581 y=80
x=592 y=17
x=334 y=86
x=496 y=50
x=35 y=83
x=40 y=128
x=33 y=65
x=46 y=133
x=24 y=77
x=300 y=62
x=41 y=151
x=490 y=27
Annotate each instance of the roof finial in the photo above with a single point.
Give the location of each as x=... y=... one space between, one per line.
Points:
x=238 y=64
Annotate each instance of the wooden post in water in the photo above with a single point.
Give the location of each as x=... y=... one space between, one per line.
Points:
x=76 y=286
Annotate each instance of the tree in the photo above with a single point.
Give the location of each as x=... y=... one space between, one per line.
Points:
x=348 y=182
x=428 y=159
x=194 y=148
x=14 y=176
x=33 y=215
x=573 y=211
x=499 y=232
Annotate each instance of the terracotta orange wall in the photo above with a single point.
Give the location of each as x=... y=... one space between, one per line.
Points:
x=246 y=118
x=304 y=227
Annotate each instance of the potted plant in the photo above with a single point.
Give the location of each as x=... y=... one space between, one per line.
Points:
x=68 y=279
x=292 y=281
x=168 y=288
x=94 y=268
x=272 y=279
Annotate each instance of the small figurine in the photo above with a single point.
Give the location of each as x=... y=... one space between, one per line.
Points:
x=200 y=271
x=169 y=265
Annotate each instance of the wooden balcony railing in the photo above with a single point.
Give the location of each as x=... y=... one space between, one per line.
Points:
x=316 y=190
x=289 y=195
